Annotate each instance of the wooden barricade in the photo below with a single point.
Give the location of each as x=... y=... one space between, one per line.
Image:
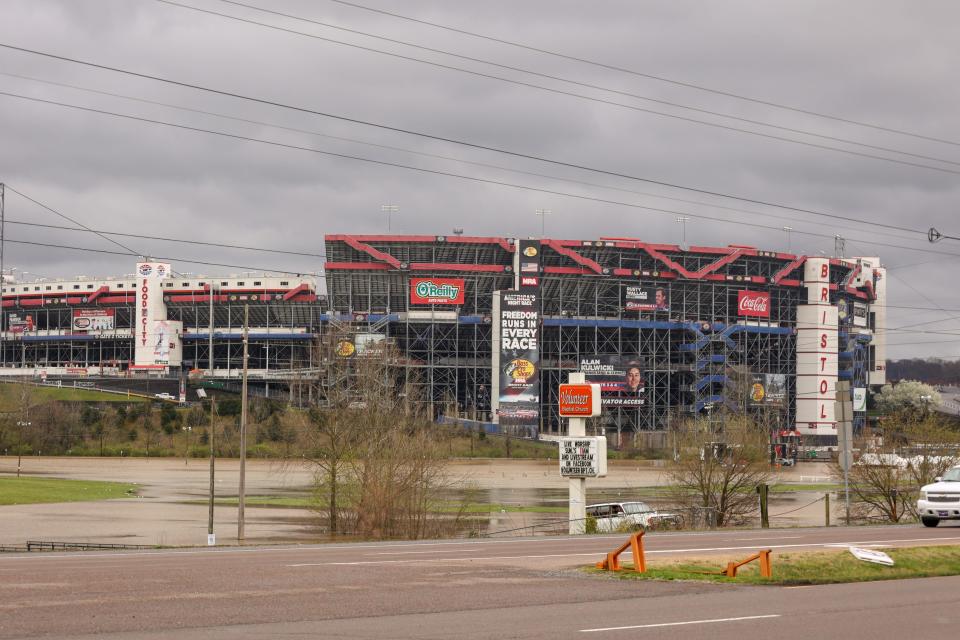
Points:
x=764 y=558
x=612 y=561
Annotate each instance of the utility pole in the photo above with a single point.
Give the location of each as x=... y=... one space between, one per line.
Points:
x=211 y=536
x=3 y=224
x=243 y=424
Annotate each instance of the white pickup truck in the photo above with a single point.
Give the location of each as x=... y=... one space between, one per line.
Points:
x=627 y=516
x=940 y=500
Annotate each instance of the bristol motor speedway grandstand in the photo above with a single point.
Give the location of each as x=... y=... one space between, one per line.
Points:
x=490 y=326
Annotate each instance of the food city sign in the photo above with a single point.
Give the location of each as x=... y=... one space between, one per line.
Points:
x=579 y=400
x=150 y=309
x=754 y=304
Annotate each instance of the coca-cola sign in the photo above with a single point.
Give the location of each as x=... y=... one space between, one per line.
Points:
x=755 y=304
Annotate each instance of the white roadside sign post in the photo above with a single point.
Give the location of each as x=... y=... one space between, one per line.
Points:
x=581 y=457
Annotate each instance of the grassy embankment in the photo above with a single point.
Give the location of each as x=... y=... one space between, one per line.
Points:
x=10 y=396
x=795 y=569
x=27 y=490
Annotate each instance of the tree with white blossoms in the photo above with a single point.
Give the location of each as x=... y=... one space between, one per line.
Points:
x=907 y=396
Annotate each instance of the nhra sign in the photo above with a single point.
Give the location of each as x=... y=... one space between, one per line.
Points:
x=579 y=400
x=754 y=304
x=436 y=290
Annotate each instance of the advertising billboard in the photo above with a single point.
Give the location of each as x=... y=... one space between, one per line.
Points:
x=642 y=298
x=518 y=334
x=621 y=380
x=151 y=310
x=753 y=304
x=768 y=389
x=528 y=265
x=18 y=323
x=436 y=290
x=859 y=314
x=93 y=319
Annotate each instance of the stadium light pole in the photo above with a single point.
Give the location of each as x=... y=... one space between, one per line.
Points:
x=389 y=209
x=543 y=213
x=683 y=231
x=787 y=230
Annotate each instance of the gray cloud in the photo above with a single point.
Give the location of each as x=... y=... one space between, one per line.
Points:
x=880 y=62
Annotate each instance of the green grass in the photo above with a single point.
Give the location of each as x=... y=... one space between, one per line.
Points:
x=10 y=396
x=29 y=490
x=814 y=568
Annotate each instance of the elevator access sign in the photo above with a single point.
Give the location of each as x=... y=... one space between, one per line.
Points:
x=583 y=457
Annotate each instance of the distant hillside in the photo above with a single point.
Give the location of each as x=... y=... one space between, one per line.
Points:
x=934 y=371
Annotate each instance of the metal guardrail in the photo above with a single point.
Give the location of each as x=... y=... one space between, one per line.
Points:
x=44 y=545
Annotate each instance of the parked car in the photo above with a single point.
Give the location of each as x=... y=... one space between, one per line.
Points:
x=940 y=500
x=629 y=516
x=163 y=396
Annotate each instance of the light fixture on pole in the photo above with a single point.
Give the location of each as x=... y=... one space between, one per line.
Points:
x=543 y=213
x=683 y=231
x=389 y=209
x=787 y=230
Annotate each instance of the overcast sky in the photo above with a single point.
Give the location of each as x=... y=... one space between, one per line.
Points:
x=884 y=63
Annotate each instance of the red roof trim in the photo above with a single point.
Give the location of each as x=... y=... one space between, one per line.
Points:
x=784 y=272
x=732 y=254
x=99 y=292
x=370 y=251
x=573 y=255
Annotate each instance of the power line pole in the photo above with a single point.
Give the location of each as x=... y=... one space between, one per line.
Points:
x=243 y=424
x=211 y=536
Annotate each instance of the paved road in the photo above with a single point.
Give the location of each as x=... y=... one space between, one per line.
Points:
x=514 y=588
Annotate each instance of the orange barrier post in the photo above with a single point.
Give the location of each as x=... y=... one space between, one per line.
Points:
x=612 y=561
x=765 y=569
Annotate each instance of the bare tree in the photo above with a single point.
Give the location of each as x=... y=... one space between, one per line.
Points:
x=378 y=461
x=914 y=449
x=720 y=470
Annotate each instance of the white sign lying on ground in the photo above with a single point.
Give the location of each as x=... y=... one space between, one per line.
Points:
x=867 y=555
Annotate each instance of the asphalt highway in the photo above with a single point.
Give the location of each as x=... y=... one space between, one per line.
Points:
x=486 y=588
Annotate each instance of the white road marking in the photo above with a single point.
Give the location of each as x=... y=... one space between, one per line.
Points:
x=767 y=538
x=677 y=624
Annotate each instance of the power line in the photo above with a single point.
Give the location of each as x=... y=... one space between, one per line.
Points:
x=585 y=97
x=448 y=140
x=448 y=174
x=218 y=245
x=634 y=72
x=423 y=153
x=66 y=217
x=185 y=260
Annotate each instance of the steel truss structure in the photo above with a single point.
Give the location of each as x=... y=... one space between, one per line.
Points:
x=695 y=355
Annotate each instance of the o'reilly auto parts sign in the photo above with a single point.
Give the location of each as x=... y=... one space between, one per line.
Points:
x=436 y=290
